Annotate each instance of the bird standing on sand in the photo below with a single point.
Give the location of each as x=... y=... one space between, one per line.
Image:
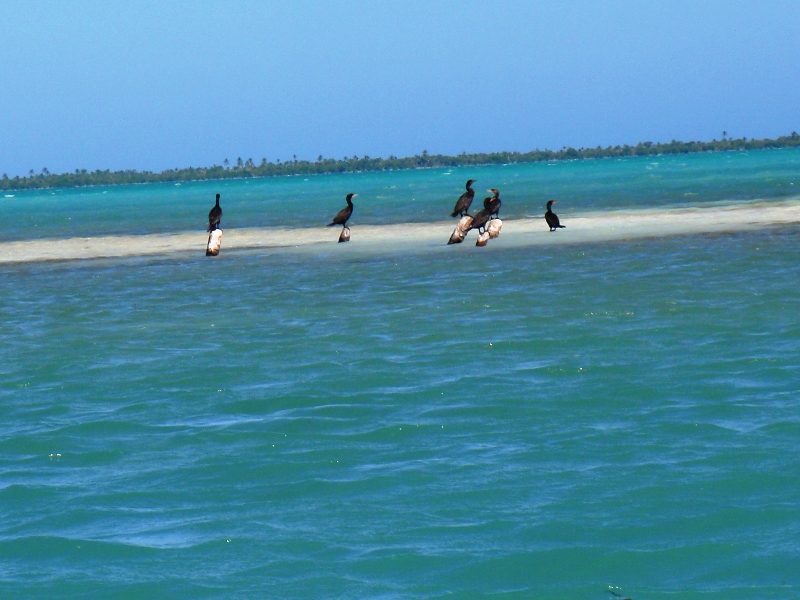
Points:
x=551 y=217
x=494 y=204
x=214 y=216
x=343 y=215
x=341 y=219
x=462 y=204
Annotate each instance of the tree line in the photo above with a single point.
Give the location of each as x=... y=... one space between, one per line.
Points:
x=248 y=168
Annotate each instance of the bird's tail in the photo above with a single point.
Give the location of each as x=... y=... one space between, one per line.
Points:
x=331 y=224
x=456 y=213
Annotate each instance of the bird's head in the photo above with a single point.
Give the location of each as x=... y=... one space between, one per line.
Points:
x=550 y=203
x=350 y=197
x=217 y=197
x=495 y=192
x=470 y=182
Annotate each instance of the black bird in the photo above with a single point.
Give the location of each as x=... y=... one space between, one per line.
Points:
x=463 y=203
x=494 y=203
x=482 y=217
x=343 y=215
x=552 y=218
x=214 y=215
x=480 y=220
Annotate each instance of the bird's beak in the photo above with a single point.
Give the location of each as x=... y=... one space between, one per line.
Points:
x=354 y=195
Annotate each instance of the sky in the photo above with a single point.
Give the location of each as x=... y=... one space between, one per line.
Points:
x=158 y=85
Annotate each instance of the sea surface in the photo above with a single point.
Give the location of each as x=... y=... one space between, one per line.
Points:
x=549 y=422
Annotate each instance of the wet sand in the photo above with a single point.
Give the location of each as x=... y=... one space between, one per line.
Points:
x=581 y=228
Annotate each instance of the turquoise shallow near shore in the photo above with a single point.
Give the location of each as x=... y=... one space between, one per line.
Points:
x=519 y=423
x=405 y=196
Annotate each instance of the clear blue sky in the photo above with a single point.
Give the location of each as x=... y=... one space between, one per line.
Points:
x=155 y=85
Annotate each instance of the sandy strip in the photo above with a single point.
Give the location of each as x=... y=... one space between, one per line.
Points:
x=581 y=228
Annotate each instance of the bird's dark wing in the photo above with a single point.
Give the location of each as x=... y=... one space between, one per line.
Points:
x=552 y=219
x=342 y=216
x=463 y=202
x=480 y=219
x=214 y=216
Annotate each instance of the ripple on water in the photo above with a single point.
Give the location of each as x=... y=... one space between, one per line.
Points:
x=618 y=413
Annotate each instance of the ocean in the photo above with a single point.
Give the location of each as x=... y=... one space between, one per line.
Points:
x=574 y=420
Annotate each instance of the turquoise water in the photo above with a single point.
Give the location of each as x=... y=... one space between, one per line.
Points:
x=504 y=423
x=405 y=196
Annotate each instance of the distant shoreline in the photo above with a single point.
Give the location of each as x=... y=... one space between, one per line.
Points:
x=249 y=169
x=406 y=238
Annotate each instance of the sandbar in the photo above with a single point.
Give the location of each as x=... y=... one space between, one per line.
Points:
x=587 y=227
